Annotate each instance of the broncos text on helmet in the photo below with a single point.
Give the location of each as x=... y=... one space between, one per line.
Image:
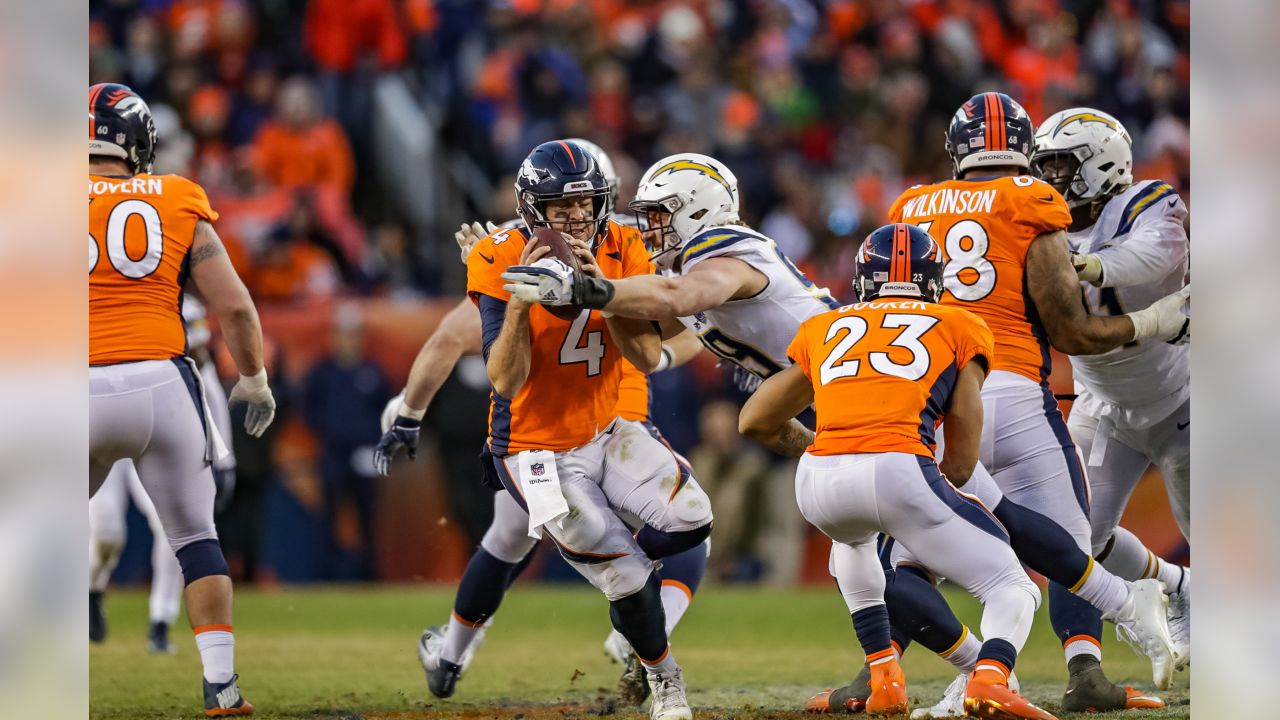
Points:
x=120 y=126
x=990 y=129
x=698 y=191
x=1085 y=154
x=898 y=259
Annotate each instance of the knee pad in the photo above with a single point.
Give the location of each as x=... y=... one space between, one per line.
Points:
x=583 y=528
x=691 y=507
x=507 y=540
x=618 y=578
x=201 y=558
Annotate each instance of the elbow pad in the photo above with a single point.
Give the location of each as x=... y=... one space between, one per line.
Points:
x=591 y=292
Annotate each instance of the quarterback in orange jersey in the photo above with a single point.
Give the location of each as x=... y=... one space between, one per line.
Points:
x=553 y=425
x=147 y=235
x=1002 y=235
x=881 y=374
x=506 y=545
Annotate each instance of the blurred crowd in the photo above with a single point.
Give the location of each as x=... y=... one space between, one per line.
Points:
x=825 y=110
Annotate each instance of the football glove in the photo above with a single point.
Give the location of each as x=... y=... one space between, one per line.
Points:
x=403 y=434
x=1088 y=268
x=1164 y=319
x=254 y=392
x=470 y=234
x=551 y=282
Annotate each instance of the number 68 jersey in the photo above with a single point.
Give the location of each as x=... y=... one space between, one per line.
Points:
x=985 y=227
x=140 y=233
x=883 y=372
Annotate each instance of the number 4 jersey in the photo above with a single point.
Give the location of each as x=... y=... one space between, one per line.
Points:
x=140 y=233
x=985 y=227
x=883 y=372
x=575 y=367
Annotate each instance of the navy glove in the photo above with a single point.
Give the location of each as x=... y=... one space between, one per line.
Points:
x=403 y=434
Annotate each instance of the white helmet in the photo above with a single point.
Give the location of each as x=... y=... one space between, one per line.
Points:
x=1099 y=151
x=698 y=191
x=193 y=318
x=606 y=165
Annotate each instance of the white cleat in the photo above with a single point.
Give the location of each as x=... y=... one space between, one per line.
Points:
x=952 y=703
x=1180 y=621
x=1144 y=625
x=617 y=647
x=669 y=701
x=432 y=642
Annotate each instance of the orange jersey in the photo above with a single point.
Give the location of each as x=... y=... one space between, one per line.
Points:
x=576 y=370
x=633 y=394
x=882 y=372
x=140 y=233
x=985 y=228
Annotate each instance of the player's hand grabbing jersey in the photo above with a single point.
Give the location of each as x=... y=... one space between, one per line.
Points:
x=140 y=233
x=572 y=391
x=883 y=371
x=985 y=228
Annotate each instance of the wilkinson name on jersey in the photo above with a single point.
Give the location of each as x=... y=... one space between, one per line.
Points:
x=135 y=186
x=950 y=200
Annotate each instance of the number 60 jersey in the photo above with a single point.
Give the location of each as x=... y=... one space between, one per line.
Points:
x=985 y=227
x=140 y=233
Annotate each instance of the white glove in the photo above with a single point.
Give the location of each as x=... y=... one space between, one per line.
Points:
x=1088 y=267
x=548 y=282
x=470 y=234
x=1164 y=319
x=253 y=390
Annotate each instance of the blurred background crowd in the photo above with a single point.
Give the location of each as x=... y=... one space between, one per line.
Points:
x=343 y=141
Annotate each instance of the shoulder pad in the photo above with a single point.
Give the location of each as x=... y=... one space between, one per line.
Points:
x=1142 y=199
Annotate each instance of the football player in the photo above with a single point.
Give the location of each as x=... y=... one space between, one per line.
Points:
x=506 y=548
x=148 y=234
x=880 y=375
x=108 y=508
x=554 y=433
x=1133 y=406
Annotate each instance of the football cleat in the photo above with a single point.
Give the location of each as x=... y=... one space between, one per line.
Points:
x=851 y=698
x=988 y=696
x=442 y=675
x=633 y=685
x=97 y=619
x=669 y=701
x=225 y=700
x=434 y=636
x=158 y=642
x=952 y=703
x=1144 y=625
x=1180 y=621
x=1089 y=690
x=888 y=690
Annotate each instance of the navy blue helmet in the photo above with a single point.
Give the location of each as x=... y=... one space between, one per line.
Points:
x=990 y=129
x=120 y=126
x=898 y=259
x=557 y=170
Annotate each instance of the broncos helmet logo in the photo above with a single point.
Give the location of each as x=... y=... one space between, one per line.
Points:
x=709 y=171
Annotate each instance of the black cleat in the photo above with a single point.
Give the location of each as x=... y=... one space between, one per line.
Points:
x=1089 y=690
x=158 y=639
x=225 y=700
x=851 y=698
x=97 y=618
x=633 y=686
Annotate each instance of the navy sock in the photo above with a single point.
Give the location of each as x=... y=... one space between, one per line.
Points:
x=917 y=609
x=658 y=544
x=1070 y=615
x=483 y=584
x=1044 y=545
x=872 y=626
x=518 y=569
x=686 y=567
x=641 y=620
x=1002 y=651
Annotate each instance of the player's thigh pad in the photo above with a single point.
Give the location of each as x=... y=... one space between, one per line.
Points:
x=508 y=535
x=1114 y=468
x=1168 y=443
x=836 y=494
x=121 y=414
x=644 y=477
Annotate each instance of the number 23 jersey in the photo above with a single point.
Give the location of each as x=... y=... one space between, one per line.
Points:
x=985 y=227
x=883 y=372
x=575 y=367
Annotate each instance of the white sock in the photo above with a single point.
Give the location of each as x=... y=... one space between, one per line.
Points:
x=675 y=601
x=1131 y=560
x=217 y=652
x=965 y=654
x=1103 y=590
x=1082 y=645
x=458 y=637
x=665 y=665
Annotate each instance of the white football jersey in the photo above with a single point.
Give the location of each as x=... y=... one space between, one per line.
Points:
x=754 y=333
x=1142 y=244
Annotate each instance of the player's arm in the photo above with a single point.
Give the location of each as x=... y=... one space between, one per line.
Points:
x=963 y=426
x=768 y=417
x=1156 y=247
x=678 y=349
x=458 y=334
x=1055 y=290
x=638 y=340
x=229 y=300
x=709 y=284
x=510 y=353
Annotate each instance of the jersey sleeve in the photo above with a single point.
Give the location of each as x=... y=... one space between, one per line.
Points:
x=718 y=242
x=973 y=339
x=635 y=256
x=895 y=210
x=488 y=260
x=1037 y=205
x=1156 y=242
x=194 y=199
x=798 y=350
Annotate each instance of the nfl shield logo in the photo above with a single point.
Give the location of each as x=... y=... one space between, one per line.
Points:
x=537 y=469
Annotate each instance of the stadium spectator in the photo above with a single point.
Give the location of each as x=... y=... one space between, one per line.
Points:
x=299 y=146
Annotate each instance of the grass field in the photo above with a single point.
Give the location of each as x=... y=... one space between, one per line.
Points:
x=350 y=653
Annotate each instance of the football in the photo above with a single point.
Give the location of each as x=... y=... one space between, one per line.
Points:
x=562 y=251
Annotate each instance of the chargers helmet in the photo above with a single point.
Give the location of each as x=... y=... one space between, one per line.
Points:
x=557 y=170
x=698 y=191
x=990 y=129
x=1085 y=154
x=120 y=126
x=898 y=259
